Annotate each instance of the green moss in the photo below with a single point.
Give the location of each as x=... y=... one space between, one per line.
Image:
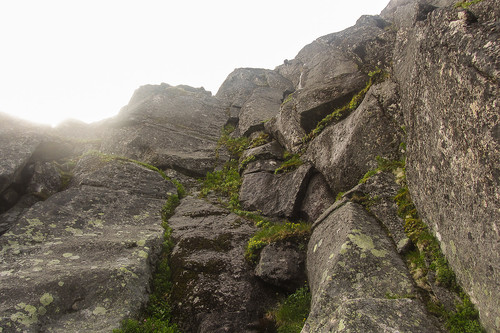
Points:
x=466 y=4
x=292 y=162
x=292 y=312
x=340 y=113
x=383 y=165
x=465 y=319
x=428 y=256
x=272 y=232
x=225 y=183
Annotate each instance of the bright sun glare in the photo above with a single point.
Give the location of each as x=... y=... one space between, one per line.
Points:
x=83 y=59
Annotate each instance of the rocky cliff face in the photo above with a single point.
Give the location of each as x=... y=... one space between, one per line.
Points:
x=375 y=152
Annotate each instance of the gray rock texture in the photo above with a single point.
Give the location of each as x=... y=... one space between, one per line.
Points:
x=317 y=198
x=81 y=260
x=345 y=151
x=353 y=268
x=282 y=264
x=170 y=127
x=215 y=289
x=275 y=195
x=327 y=73
x=453 y=164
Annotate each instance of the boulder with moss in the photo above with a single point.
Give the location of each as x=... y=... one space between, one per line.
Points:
x=357 y=279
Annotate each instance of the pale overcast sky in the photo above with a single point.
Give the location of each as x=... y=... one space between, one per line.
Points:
x=83 y=59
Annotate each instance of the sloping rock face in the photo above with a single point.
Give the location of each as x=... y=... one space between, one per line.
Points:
x=327 y=74
x=215 y=289
x=453 y=139
x=81 y=260
x=352 y=267
x=253 y=96
x=343 y=153
x=170 y=127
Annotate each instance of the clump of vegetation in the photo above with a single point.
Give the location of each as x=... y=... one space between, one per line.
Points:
x=272 y=232
x=235 y=146
x=291 y=313
x=383 y=165
x=338 y=114
x=465 y=319
x=262 y=139
x=225 y=182
x=466 y=4
x=428 y=256
x=292 y=162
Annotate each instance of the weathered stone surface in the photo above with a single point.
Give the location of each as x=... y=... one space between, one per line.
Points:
x=270 y=150
x=170 y=127
x=345 y=151
x=275 y=195
x=352 y=267
x=242 y=82
x=379 y=192
x=81 y=260
x=378 y=316
x=453 y=160
x=317 y=199
x=215 y=289
x=282 y=264
x=261 y=106
x=46 y=180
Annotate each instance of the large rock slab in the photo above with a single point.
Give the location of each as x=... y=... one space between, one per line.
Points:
x=275 y=195
x=170 y=127
x=214 y=286
x=353 y=268
x=327 y=73
x=81 y=260
x=242 y=82
x=345 y=151
x=453 y=159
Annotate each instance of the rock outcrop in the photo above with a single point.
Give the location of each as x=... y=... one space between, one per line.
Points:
x=170 y=127
x=407 y=102
x=453 y=140
x=214 y=289
x=81 y=260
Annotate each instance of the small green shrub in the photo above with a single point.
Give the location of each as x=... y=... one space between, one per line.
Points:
x=292 y=162
x=225 y=182
x=262 y=139
x=292 y=312
x=235 y=146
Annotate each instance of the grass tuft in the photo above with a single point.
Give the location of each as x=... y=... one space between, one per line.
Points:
x=292 y=312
